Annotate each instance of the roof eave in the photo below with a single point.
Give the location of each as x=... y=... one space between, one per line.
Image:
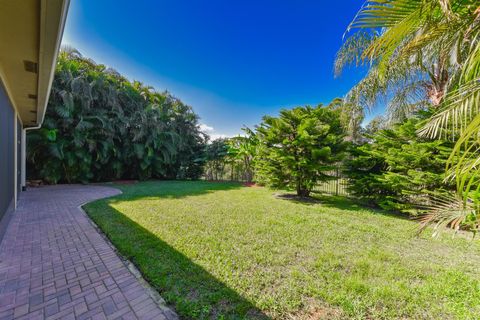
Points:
x=52 y=23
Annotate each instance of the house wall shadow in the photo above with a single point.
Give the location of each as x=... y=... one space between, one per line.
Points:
x=188 y=287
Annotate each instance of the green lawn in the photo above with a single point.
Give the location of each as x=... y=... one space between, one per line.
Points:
x=223 y=251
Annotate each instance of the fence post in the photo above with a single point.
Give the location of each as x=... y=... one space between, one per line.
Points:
x=337 y=181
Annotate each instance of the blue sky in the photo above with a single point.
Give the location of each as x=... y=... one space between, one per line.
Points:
x=232 y=61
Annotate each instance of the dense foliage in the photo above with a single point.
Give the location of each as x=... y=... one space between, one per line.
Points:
x=100 y=126
x=425 y=54
x=231 y=158
x=397 y=167
x=242 y=151
x=216 y=159
x=299 y=148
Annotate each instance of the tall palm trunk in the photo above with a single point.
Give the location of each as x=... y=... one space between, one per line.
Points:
x=439 y=77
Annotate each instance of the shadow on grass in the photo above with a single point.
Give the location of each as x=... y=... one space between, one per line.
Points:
x=192 y=290
x=324 y=200
x=339 y=202
x=298 y=199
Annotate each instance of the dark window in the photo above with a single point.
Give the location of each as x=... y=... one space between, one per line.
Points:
x=19 y=156
x=7 y=152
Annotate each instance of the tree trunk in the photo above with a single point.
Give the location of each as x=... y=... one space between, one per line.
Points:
x=301 y=190
x=439 y=77
x=248 y=170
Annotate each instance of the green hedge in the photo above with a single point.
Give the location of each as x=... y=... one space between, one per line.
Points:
x=100 y=126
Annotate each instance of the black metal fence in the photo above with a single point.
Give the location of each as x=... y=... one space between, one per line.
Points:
x=337 y=186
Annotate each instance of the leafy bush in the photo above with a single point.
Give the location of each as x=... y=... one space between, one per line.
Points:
x=100 y=126
x=241 y=152
x=299 y=148
x=216 y=159
x=231 y=158
x=397 y=167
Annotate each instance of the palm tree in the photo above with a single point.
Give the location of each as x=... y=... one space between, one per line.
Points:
x=413 y=50
x=100 y=126
x=424 y=53
x=243 y=149
x=351 y=117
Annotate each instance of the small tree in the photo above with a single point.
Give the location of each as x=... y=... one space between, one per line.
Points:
x=299 y=148
x=242 y=149
x=397 y=167
x=215 y=154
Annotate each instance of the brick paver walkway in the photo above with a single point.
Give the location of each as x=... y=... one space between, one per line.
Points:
x=55 y=265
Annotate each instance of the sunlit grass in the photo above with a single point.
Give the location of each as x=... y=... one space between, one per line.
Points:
x=220 y=250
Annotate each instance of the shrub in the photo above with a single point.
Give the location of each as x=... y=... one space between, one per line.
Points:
x=397 y=166
x=99 y=126
x=298 y=149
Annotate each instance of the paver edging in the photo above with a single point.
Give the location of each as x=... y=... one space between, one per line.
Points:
x=152 y=292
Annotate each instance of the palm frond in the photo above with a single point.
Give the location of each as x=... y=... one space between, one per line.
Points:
x=449 y=211
x=458 y=109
